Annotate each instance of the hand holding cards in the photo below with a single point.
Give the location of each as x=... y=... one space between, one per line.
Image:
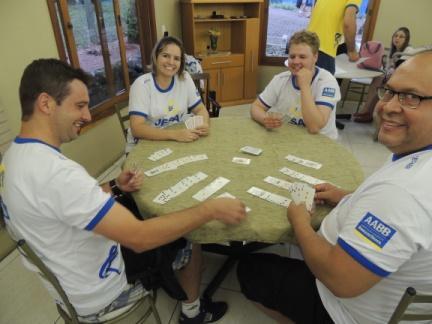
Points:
x=302 y=193
x=273 y=119
x=197 y=125
x=194 y=122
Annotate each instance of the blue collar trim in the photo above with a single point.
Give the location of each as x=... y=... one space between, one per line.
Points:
x=159 y=88
x=396 y=157
x=24 y=140
x=294 y=79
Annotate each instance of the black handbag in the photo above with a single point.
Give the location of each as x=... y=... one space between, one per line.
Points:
x=154 y=267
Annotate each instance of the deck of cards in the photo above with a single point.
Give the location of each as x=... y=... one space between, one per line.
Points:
x=251 y=150
x=240 y=160
x=194 y=122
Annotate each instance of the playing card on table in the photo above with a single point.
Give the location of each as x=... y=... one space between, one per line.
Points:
x=179 y=188
x=240 y=160
x=210 y=189
x=198 y=157
x=300 y=176
x=269 y=196
x=172 y=165
x=251 y=150
x=302 y=193
x=162 y=198
x=304 y=162
x=160 y=154
x=278 y=182
x=153 y=172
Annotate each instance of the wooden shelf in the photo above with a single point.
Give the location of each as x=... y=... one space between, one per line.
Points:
x=233 y=77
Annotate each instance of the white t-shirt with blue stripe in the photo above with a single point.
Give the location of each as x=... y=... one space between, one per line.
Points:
x=386 y=226
x=54 y=204
x=283 y=95
x=162 y=107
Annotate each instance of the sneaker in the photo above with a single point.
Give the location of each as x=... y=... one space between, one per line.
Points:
x=210 y=312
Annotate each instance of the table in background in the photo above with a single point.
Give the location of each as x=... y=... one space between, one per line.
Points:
x=349 y=70
x=266 y=222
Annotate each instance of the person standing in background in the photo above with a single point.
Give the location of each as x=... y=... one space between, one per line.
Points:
x=330 y=19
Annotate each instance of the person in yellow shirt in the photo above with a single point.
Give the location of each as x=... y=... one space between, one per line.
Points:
x=330 y=20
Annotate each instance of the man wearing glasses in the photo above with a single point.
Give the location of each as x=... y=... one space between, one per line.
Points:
x=377 y=241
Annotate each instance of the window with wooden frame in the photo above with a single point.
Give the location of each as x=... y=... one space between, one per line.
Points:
x=110 y=39
x=281 y=18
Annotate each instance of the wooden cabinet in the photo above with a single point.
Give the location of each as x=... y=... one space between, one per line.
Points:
x=226 y=76
x=233 y=66
x=251 y=57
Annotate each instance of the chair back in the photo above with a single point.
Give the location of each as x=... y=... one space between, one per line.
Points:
x=409 y=297
x=202 y=83
x=70 y=315
x=46 y=273
x=123 y=116
x=207 y=96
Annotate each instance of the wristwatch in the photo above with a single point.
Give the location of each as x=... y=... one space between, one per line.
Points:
x=115 y=188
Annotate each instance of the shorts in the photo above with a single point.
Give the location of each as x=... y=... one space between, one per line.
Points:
x=183 y=257
x=129 y=296
x=282 y=284
x=136 y=291
x=326 y=62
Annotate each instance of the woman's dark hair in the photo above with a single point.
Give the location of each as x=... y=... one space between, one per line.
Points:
x=47 y=75
x=163 y=42
x=407 y=33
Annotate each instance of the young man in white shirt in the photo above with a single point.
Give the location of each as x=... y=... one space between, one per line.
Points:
x=75 y=225
x=305 y=94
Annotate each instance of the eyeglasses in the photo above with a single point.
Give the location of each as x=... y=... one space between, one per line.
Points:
x=406 y=99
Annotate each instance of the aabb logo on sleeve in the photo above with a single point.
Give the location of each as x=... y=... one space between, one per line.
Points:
x=329 y=92
x=374 y=231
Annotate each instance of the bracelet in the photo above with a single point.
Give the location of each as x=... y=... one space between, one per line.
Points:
x=115 y=188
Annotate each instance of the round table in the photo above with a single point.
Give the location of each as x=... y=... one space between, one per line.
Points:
x=266 y=222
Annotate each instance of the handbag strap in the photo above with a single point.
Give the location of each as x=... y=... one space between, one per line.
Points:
x=376 y=49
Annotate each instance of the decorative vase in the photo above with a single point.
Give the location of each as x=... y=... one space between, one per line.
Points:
x=213 y=42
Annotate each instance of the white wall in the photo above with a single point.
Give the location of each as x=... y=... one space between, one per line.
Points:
x=414 y=14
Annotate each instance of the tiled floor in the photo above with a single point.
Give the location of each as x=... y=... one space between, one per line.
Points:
x=23 y=299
